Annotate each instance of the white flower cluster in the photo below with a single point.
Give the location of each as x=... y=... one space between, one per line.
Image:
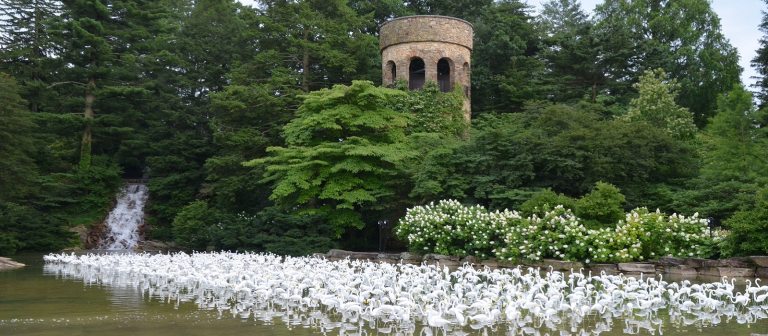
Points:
x=448 y=227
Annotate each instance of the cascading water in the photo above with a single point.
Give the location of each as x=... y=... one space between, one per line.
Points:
x=122 y=225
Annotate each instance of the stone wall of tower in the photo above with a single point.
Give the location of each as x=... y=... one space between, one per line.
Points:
x=430 y=38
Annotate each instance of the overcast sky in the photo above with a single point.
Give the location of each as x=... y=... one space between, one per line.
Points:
x=739 y=20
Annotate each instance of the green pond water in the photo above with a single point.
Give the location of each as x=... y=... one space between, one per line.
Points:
x=35 y=303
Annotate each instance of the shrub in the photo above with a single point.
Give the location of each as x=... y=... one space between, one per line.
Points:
x=749 y=229
x=545 y=200
x=451 y=228
x=602 y=207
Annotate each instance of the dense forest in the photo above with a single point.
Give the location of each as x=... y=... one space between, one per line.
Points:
x=264 y=127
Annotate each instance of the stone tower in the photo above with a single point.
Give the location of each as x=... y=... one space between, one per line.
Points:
x=427 y=48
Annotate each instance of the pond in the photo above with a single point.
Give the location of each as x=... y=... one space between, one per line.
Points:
x=38 y=300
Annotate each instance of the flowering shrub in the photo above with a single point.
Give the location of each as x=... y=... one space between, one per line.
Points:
x=558 y=234
x=449 y=227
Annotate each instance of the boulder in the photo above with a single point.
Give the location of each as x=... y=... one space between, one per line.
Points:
x=694 y=262
x=8 y=264
x=607 y=268
x=682 y=270
x=558 y=265
x=762 y=272
x=730 y=272
x=391 y=258
x=730 y=262
x=407 y=256
x=440 y=257
x=341 y=254
x=637 y=267
x=761 y=261
x=492 y=263
x=470 y=260
x=670 y=261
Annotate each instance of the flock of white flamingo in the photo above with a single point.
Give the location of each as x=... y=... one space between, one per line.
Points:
x=354 y=296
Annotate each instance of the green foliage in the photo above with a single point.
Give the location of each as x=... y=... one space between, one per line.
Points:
x=682 y=37
x=451 y=228
x=16 y=142
x=430 y=110
x=545 y=200
x=749 y=229
x=24 y=228
x=192 y=226
x=567 y=148
x=342 y=156
x=569 y=49
x=603 y=206
x=656 y=106
x=200 y=227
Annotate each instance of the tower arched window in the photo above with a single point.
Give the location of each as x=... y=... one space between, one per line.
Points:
x=391 y=72
x=444 y=75
x=416 y=75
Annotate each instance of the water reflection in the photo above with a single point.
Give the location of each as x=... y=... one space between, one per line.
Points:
x=355 y=297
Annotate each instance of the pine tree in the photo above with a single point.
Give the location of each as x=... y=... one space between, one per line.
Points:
x=760 y=63
x=28 y=47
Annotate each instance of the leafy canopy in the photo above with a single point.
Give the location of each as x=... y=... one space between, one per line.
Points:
x=342 y=155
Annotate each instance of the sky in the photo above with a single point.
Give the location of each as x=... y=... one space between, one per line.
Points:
x=739 y=21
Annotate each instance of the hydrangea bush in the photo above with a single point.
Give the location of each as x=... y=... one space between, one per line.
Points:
x=448 y=227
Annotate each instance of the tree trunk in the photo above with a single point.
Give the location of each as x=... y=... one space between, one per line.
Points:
x=85 y=145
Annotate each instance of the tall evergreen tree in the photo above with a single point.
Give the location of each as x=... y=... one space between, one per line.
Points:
x=683 y=37
x=570 y=52
x=27 y=47
x=760 y=63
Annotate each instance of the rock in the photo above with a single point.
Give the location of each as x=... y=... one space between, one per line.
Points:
x=154 y=246
x=492 y=263
x=407 y=256
x=686 y=271
x=8 y=264
x=637 y=267
x=558 y=265
x=470 y=260
x=391 y=258
x=334 y=253
x=435 y=256
x=508 y=263
x=82 y=234
x=761 y=261
x=341 y=254
x=727 y=271
x=607 y=268
x=730 y=262
x=694 y=262
x=762 y=272
x=670 y=261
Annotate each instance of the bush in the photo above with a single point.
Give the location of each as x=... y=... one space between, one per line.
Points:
x=198 y=226
x=602 y=207
x=749 y=229
x=545 y=200
x=24 y=228
x=451 y=228
x=191 y=227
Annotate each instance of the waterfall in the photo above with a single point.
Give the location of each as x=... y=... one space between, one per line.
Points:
x=122 y=225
